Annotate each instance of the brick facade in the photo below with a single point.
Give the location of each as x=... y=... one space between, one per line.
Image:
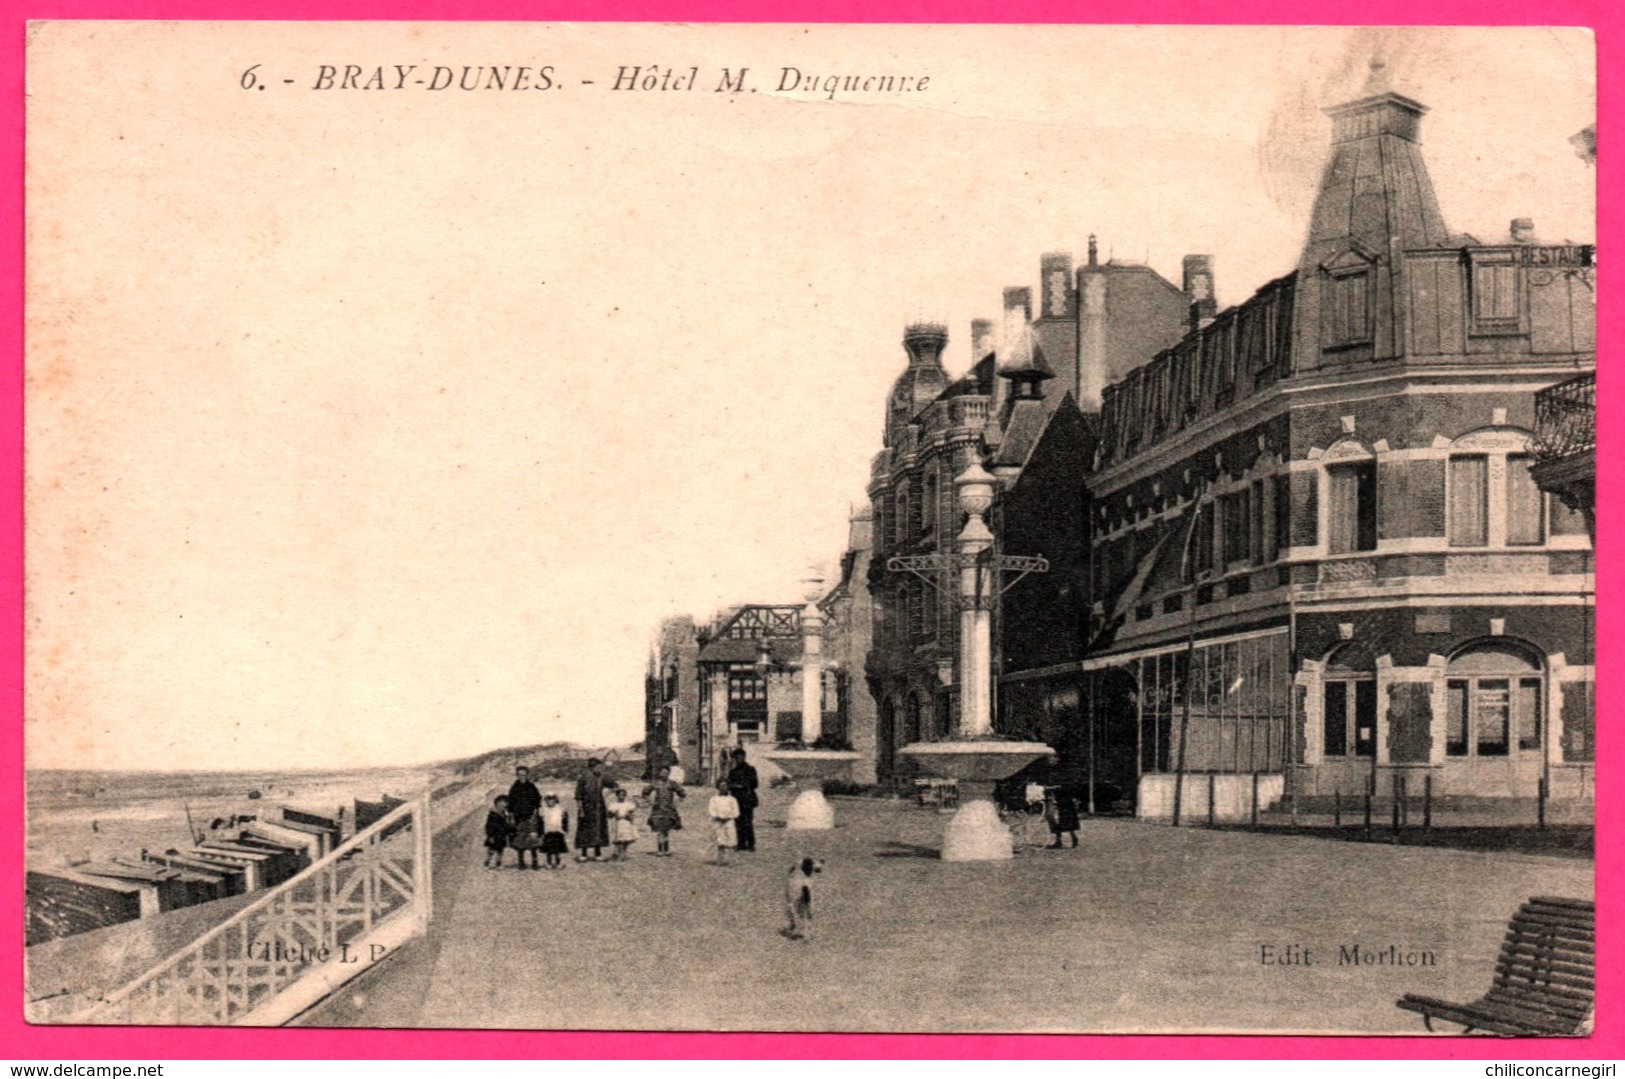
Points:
x=1343 y=460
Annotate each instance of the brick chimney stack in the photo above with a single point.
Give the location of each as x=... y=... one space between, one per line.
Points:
x=982 y=339
x=1198 y=286
x=1055 y=283
x=1018 y=299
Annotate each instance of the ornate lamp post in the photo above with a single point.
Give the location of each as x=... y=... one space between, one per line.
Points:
x=811 y=765
x=976 y=760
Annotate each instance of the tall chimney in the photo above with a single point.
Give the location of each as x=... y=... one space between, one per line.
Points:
x=982 y=339
x=1055 y=280
x=1199 y=290
x=1018 y=299
x=1015 y=338
x=860 y=531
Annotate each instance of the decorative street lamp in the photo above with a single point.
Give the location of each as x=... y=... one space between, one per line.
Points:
x=810 y=766
x=976 y=760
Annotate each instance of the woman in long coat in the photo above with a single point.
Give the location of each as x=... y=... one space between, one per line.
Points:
x=592 y=819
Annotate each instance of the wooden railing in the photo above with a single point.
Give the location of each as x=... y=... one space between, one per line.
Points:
x=285 y=952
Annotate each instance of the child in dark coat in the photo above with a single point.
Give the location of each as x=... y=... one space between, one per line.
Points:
x=498 y=832
x=1062 y=813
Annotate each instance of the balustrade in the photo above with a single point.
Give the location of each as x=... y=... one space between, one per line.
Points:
x=1566 y=418
x=303 y=939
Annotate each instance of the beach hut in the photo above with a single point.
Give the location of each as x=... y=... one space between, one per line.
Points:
x=61 y=902
x=201 y=886
x=257 y=862
x=368 y=814
x=160 y=889
x=233 y=879
x=331 y=826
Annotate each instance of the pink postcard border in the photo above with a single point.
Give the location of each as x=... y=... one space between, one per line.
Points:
x=22 y=1042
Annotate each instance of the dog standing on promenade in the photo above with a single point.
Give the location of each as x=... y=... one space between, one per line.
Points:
x=798 y=897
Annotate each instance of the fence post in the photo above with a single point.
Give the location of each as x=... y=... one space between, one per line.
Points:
x=1399 y=796
x=1255 y=798
x=1541 y=809
x=1212 y=796
x=1337 y=809
x=423 y=885
x=1368 y=809
x=1427 y=802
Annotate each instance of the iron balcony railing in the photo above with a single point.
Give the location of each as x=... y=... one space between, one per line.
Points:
x=1566 y=418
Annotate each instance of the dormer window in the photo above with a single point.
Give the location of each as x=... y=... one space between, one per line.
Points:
x=1347 y=308
x=1345 y=303
x=1497 y=294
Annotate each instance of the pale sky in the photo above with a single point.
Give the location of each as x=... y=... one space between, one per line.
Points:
x=376 y=427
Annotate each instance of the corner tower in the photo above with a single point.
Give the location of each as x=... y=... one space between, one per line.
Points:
x=1376 y=201
x=922 y=381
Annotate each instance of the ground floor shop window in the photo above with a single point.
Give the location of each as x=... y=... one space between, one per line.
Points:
x=1236 y=717
x=1350 y=716
x=1494 y=702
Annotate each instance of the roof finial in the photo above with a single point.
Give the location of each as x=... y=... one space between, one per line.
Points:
x=1377 y=81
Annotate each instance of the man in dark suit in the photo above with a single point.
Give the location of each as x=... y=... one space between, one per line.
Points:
x=742 y=785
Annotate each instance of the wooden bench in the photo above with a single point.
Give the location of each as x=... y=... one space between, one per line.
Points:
x=1543 y=978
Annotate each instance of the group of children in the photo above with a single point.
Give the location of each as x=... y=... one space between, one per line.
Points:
x=547 y=828
x=544 y=830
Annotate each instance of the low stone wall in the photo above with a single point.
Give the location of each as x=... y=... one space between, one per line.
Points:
x=1231 y=797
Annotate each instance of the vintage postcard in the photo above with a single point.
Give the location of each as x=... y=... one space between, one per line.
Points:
x=804 y=528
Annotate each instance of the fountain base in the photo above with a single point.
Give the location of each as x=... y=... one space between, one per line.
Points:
x=811 y=811
x=975 y=833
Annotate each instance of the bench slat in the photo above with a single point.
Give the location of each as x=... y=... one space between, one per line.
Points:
x=1547 y=963
x=1523 y=1004
x=1560 y=930
x=1497 y=1019
x=1541 y=975
x=1573 y=1009
x=1550 y=996
x=1570 y=951
x=1536 y=988
x=1539 y=966
x=1563 y=901
x=1579 y=954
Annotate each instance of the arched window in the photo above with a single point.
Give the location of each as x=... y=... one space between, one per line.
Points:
x=1495 y=694
x=1349 y=686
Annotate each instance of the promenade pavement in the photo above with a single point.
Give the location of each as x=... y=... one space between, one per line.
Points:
x=1143 y=928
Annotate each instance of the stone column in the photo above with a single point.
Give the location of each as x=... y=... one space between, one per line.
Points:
x=812 y=673
x=975 y=618
x=719 y=722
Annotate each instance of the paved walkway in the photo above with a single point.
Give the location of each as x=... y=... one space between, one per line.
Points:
x=1145 y=928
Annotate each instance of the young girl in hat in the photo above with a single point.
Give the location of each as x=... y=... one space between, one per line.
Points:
x=555 y=827
x=622 y=831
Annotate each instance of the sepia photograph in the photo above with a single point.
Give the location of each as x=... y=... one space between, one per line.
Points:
x=810 y=528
